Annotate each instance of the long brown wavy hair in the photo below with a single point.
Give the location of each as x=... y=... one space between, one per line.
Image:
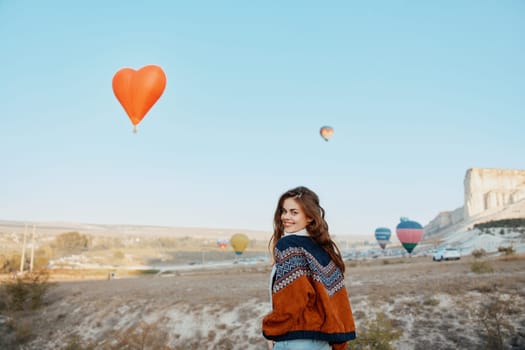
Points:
x=317 y=228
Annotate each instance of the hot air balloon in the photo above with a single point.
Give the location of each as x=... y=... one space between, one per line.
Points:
x=239 y=242
x=222 y=243
x=409 y=233
x=326 y=132
x=383 y=236
x=138 y=90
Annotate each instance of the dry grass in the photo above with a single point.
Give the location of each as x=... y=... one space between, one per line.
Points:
x=432 y=304
x=512 y=257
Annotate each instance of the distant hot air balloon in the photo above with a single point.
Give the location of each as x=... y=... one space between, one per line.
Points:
x=138 y=90
x=239 y=242
x=326 y=132
x=383 y=236
x=409 y=233
x=222 y=243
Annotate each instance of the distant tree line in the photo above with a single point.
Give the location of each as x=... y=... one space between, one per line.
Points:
x=70 y=243
x=67 y=243
x=514 y=223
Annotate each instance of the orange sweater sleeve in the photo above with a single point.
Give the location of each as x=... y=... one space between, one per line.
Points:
x=289 y=307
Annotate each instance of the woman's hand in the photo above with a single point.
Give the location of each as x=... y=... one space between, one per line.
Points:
x=270 y=344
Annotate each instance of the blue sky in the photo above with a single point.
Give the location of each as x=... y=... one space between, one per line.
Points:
x=417 y=93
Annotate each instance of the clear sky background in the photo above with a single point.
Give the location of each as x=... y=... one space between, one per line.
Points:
x=416 y=91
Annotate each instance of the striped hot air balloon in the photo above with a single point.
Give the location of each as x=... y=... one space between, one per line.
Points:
x=409 y=234
x=383 y=236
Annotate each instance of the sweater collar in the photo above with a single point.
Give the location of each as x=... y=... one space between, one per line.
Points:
x=302 y=232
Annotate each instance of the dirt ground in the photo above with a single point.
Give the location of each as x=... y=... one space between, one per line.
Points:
x=433 y=305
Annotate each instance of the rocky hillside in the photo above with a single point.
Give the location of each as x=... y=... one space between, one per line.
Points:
x=490 y=194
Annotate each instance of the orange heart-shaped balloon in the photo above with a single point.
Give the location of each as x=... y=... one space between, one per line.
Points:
x=326 y=132
x=138 y=90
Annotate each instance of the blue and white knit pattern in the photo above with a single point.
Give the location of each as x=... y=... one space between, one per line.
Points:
x=295 y=262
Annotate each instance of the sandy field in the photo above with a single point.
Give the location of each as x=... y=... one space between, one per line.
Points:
x=433 y=305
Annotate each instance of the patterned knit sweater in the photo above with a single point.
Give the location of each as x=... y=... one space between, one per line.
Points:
x=309 y=297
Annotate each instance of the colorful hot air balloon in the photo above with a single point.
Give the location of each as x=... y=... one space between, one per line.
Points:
x=326 y=132
x=409 y=233
x=137 y=91
x=239 y=242
x=222 y=243
x=383 y=236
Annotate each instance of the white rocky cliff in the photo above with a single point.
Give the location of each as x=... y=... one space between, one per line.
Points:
x=491 y=190
x=487 y=192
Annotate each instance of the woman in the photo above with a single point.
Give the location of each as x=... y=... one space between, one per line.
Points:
x=310 y=305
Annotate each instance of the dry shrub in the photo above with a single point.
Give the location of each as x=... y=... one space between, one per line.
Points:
x=25 y=292
x=9 y=263
x=479 y=253
x=23 y=331
x=481 y=267
x=376 y=334
x=485 y=287
x=431 y=301
x=398 y=261
x=75 y=343
x=507 y=250
x=492 y=316
x=144 y=336
x=15 y=332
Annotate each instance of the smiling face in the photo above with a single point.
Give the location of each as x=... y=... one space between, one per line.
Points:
x=293 y=217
